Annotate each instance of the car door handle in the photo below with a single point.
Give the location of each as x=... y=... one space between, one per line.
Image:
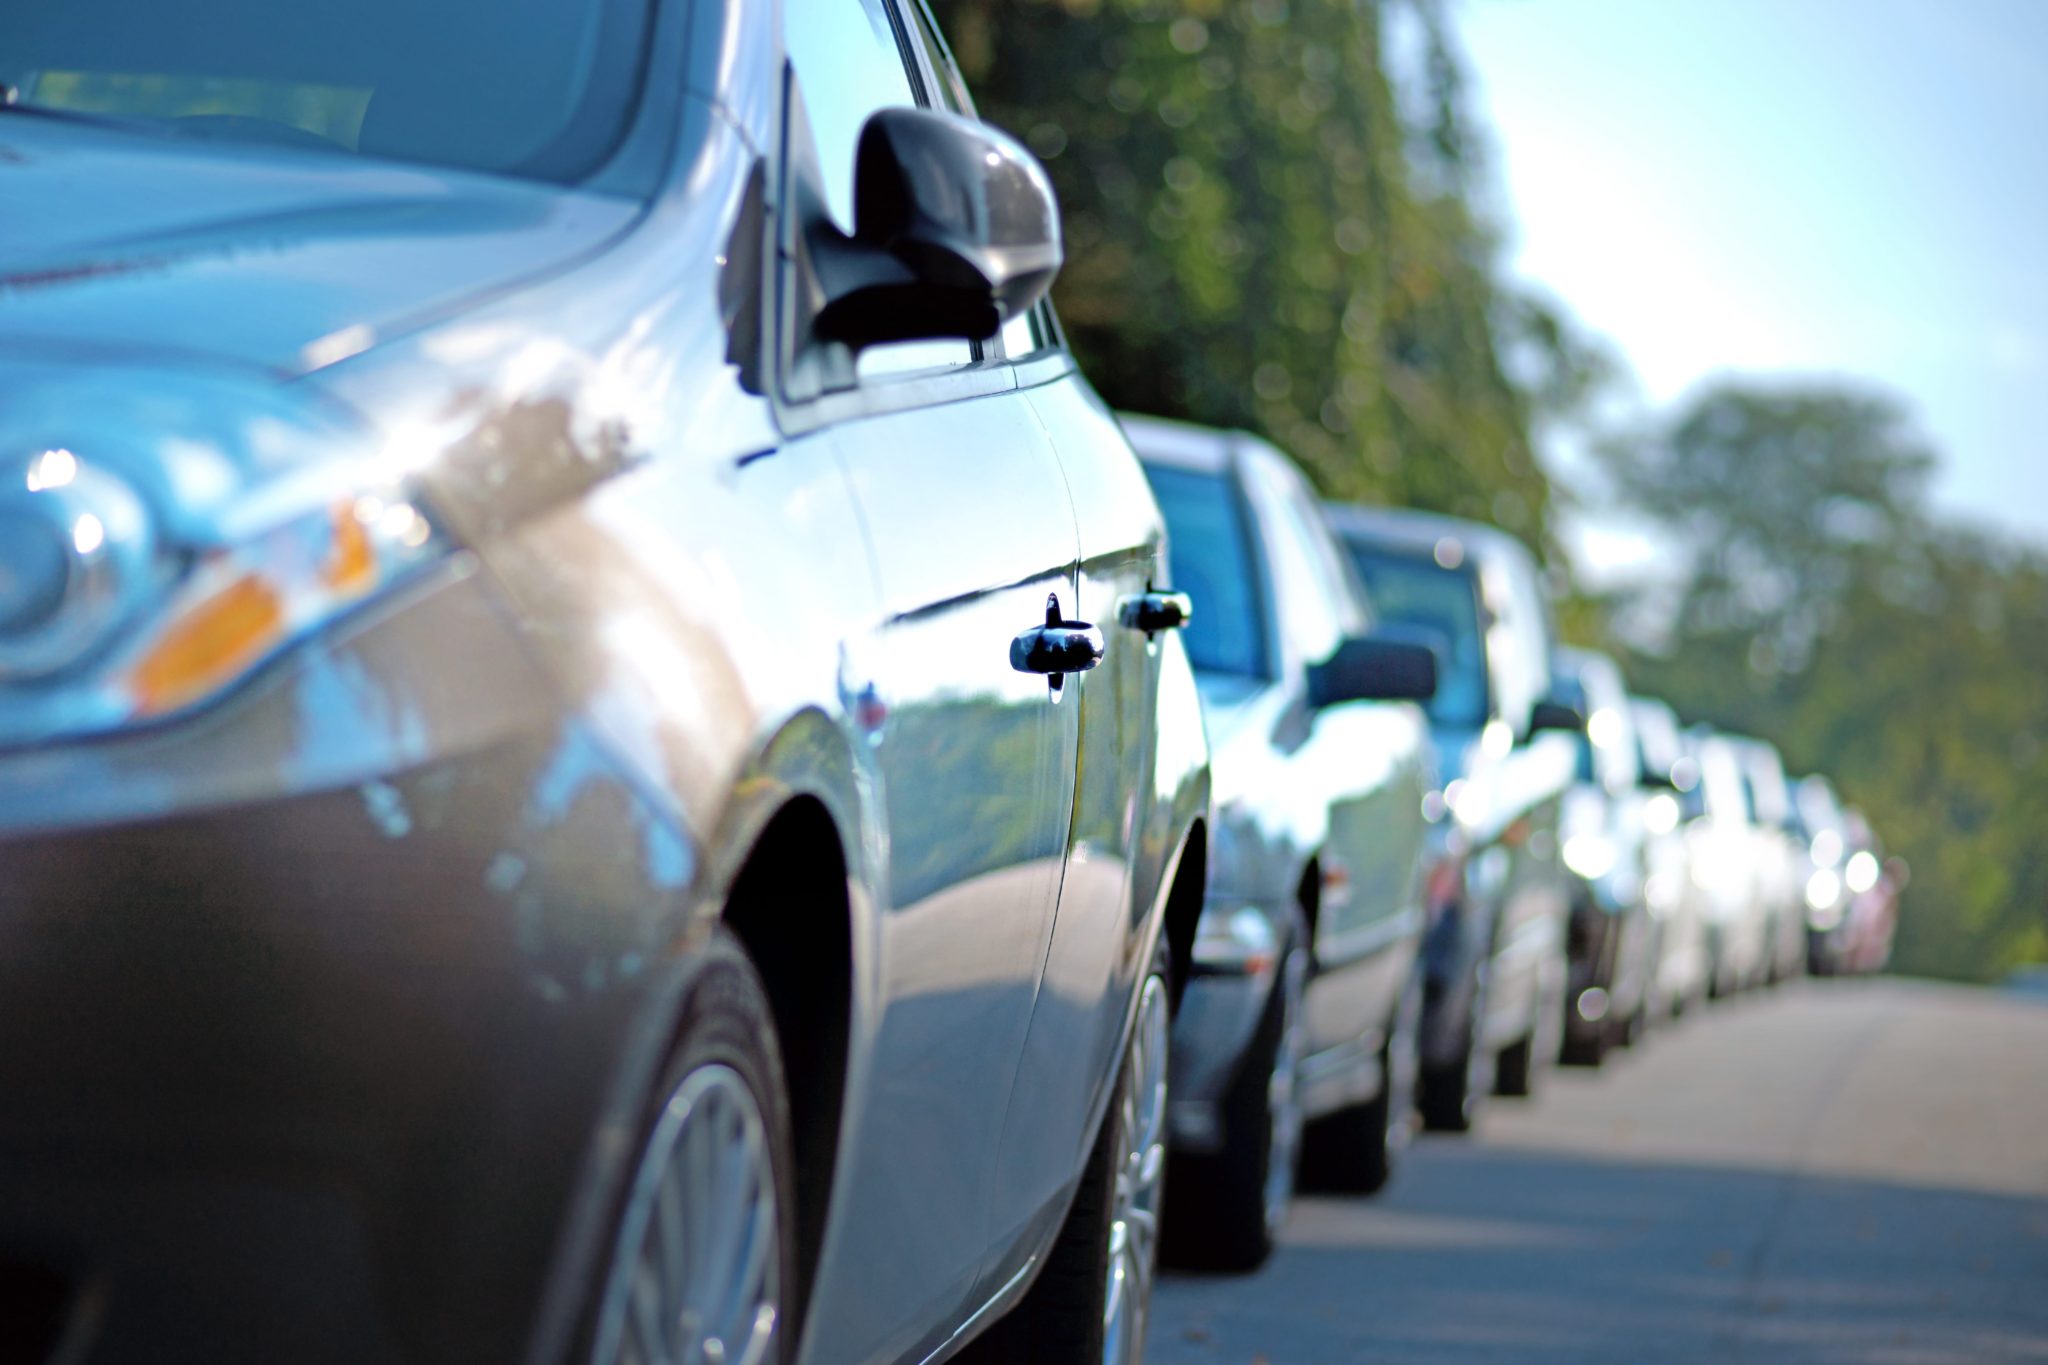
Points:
x=1154 y=610
x=1059 y=646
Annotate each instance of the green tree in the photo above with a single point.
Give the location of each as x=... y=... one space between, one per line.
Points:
x=1816 y=602
x=1258 y=237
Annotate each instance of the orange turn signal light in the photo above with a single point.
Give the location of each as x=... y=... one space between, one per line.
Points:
x=210 y=645
x=351 y=561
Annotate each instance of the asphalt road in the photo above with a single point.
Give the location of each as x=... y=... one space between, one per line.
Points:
x=1833 y=1172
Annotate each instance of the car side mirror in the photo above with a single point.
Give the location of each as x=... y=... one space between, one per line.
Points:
x=1372 y=668
x=956 y=231
x=1551 y=714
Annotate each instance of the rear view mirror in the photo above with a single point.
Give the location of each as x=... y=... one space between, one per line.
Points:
x=1550 y=714
x=1373 y=668
x=956 y=231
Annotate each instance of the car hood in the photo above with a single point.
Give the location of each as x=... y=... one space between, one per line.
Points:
x=279 y=258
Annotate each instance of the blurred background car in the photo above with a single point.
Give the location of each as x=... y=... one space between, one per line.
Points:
x=1874 y=883
x=1612 y=939
x=1824 y=827
x=1666 y=776
x=1780 y=857
x=1721 y=859
x=1495 y=968
x=1298 y=1028
x=592 y=769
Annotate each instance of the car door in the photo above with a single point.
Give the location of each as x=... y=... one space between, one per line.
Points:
x=1077 y=1030
x=971 y=539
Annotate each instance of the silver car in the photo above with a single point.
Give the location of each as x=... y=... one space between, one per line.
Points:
x=1298 y=1032
x=591 y=763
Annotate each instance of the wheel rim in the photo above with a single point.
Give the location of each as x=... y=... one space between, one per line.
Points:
x=1141 y=1166
x=696 y=1273
x=1283 y=1094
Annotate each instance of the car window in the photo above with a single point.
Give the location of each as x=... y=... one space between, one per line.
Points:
x=1443 y=604
x=1315 y=612
x=537 y=88
x=1210 y=550
x=1025 y=334
x=850 y=63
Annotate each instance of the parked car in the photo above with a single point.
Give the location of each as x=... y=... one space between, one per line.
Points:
x=1721 y=857
x=1612 y=939
x=1495 y=968
x=1874 y=884
x=1668 y=778
x=1298 y=1025
x=1824 y=827
x=1780 y=858
x=590 y=763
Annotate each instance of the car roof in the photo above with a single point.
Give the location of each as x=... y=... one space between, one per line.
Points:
x=1183 y=445
x=1404 y=531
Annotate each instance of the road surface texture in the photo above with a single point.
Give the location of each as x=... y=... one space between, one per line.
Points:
x=1832 y=1172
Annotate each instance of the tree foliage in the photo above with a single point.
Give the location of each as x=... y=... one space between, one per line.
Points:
x=1267 y=229
x=1258 y=237
x=1818 y=603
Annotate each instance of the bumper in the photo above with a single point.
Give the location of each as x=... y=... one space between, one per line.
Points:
x=1219 y=1014
x=315 y=1076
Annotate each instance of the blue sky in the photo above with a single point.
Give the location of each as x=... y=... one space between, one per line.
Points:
x=1794 y=186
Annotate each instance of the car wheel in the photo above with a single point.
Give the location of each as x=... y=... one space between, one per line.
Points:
x=1355 y=1150
x=1248 y=1186
x=1515 y=1071
x=1452 y=1092
x=702 y=1263
x=1093 y=1298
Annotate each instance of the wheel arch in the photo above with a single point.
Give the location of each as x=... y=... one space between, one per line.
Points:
x=789 y=880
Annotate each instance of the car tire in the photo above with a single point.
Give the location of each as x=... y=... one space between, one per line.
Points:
x=1515 y=1070
x=1588 y=1049
x=1247 y=1185
x=1451 y=1093
x=1092 y=1299
x=1355 y=1149
x=718 y=1122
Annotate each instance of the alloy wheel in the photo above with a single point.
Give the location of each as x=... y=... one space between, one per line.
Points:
x=1140 y=1173
x=696 y=1272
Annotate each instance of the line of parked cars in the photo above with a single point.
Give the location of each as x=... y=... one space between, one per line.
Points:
x=606 y=754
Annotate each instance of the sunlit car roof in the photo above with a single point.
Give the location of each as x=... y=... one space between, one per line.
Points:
x=1420 y=532
x=1184 y=445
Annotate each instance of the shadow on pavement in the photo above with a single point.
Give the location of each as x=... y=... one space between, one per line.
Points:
x=1489 y=1254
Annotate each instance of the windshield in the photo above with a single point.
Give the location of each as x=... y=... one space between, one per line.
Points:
x=536 y=88
x=1212 y=563
x=1443 y=603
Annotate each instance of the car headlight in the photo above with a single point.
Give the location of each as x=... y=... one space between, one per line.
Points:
x=1824 y=899
x=115 y=609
